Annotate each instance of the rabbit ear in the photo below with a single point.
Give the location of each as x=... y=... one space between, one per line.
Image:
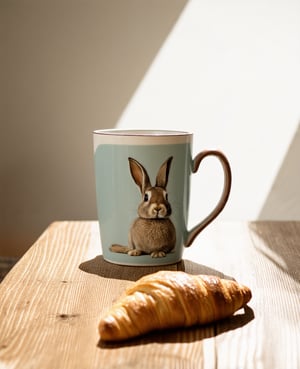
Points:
x=163 y=173
x=139 y=174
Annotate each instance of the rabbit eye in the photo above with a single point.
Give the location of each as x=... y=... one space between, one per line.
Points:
x=166 y=195
x=146 y=197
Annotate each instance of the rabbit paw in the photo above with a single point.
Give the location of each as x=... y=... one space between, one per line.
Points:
x=135 y=252
x=158 y=254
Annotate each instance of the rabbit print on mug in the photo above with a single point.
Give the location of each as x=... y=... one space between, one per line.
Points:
x=152 y=232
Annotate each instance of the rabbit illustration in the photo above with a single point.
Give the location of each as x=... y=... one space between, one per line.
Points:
x=152 y=232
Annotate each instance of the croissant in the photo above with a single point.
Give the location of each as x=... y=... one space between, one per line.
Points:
x=169 y=299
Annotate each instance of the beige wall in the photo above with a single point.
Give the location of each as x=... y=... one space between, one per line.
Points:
x=228 y=72
x=67 y=67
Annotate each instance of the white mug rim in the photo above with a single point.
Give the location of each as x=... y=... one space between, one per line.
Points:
x=141 y=132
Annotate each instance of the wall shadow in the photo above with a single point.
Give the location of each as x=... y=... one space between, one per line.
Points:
x=283 y=200
x=83 y=62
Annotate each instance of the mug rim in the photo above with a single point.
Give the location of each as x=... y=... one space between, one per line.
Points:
x=141 y=132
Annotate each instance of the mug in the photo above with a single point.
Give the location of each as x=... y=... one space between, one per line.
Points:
x=143 y=190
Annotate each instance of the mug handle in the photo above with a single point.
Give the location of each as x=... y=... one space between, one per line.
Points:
x=193 y=233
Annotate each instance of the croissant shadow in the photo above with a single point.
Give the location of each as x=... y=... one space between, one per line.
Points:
x=105 y=269
x=187 y=335
x=100 y=267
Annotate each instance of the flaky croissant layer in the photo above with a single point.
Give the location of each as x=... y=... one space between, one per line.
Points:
x=169 y=299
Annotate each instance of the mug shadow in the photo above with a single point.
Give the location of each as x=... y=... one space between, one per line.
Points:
x=105 y=269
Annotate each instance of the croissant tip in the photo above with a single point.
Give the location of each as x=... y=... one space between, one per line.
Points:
x=247 y=294
x=106 y=329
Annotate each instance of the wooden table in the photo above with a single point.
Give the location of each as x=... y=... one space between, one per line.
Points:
x=51 y=302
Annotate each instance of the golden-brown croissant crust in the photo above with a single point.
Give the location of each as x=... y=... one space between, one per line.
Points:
x=169 y=299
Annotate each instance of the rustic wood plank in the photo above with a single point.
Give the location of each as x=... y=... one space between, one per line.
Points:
x=266 y=257
x=45 y=297
x=53 y=298
x=276 y=263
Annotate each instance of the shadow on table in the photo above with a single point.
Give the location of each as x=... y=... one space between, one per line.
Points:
x=100 y=267
x=186 y=335
x=277 y=241
x=105 y=269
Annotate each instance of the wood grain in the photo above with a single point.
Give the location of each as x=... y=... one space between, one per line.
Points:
x=51 y=302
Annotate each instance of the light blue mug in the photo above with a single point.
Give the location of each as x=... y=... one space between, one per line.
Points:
x=142 y=191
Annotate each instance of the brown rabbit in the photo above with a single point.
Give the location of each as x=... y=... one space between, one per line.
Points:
x=152 y=232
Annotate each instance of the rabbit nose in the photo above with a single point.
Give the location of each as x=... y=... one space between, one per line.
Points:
x=158 y=208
